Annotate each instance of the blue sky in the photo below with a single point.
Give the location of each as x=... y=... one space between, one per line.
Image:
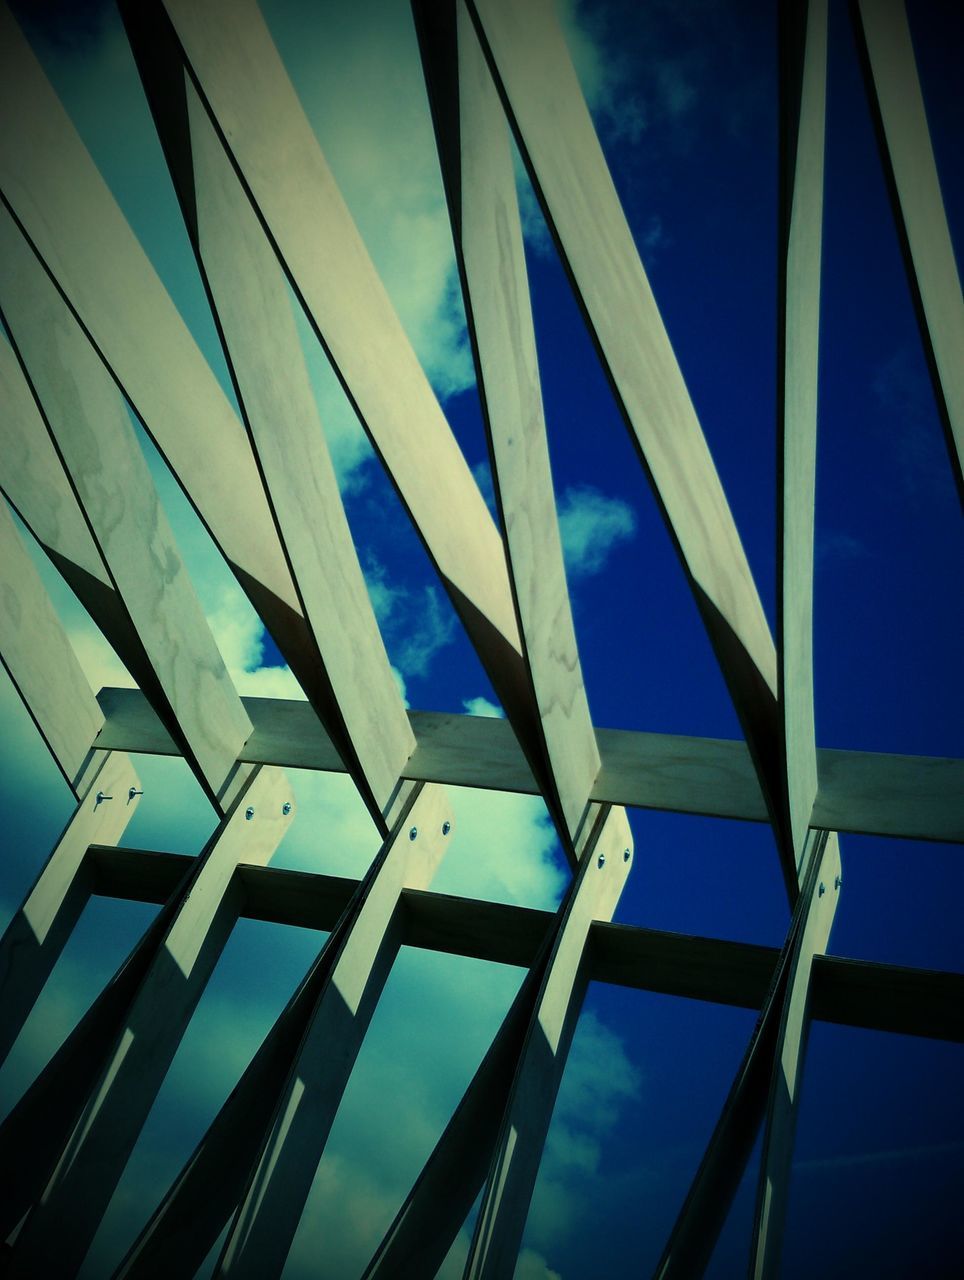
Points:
x=684 y=97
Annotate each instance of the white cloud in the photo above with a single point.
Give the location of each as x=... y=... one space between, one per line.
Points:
x=592 y=526
x=483 y=707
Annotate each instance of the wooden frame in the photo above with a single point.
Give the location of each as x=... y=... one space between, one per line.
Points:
x=76 y=295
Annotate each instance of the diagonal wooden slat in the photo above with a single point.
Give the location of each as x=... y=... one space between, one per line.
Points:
x=538 y=86
x=125 y=1064
x=894 y=91
x=803 y=37
x=41 y=662
x=473 y=148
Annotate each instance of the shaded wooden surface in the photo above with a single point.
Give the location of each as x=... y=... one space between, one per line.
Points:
x=916 y=797
x=803 y=89
x=40 y=660
x=38 y=932
x=60 y=1228
x=484 y=212
x=908 y=156
x=107 y=469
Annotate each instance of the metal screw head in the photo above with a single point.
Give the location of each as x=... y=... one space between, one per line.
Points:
x=822 y=890
x=601 y=860
x=627 y=854
x=132 y=792
x=837 y=881
x=100 y=798
x=413 y=832
x=286 y=808
x=249 y=812
x=446 y=827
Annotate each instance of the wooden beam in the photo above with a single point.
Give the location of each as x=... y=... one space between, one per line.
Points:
x=539 y=88
x=496 y=1135
x=473 y=148
x=894 y=92
x=803 y=91
x=35 y=937
x=356 y=694
x=41 y=662
x=855 y=993
x=696 y=1230
x=89 y=423
x=914 y=797
x=62 y=1223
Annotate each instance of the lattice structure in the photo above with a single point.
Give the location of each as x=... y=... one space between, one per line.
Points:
x=263 y=212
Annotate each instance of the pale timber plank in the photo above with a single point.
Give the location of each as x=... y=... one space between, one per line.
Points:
x=912 y=797
x=908 y=156
x=857 y=993
x=59 y=1230
x=277 y=1188
x=246 y=88
x=107 y=469
x=555 y=133
x=708 y=1200
x=473 y=148
x=803 y=87
x=41 y=662
x=515 y=1086
x=36 y=935
x=255 y=1144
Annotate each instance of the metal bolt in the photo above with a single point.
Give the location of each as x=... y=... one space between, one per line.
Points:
x=601 y=860
x=837 y=881
x=100 y=798
x=413 y=833
x=249 y=812
x=132 y=792
x=446 y=827
x=822 y=890
x=286 y=808
x=627 y=854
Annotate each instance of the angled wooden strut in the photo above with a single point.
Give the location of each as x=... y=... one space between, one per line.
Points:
x=473 y=148
x=35 y=937
x=803 y=90
x=109 y=475
x=255 y=1164
x=65 y=1145
x=250 y=298
x=246 y=90
x=539 y=89
x=767 y=1082
x=54 y=192
x=894 y=92
x=41 y=662
x=495 y=1138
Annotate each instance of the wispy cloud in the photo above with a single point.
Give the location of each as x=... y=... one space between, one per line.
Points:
x=483 y=707
x=592 y=525
x=415 y=622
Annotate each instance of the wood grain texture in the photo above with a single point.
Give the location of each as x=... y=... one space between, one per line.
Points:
x=858 y=993
x=280 y=1179
x=251 y=297
x=60 y=1228
x=803 y=36
x=538 y=85
x=38 y=932
x=823 y=890
x=89 y=423
x=908 y=156
x=484 y=211
x=915 y=797
x=40 y=660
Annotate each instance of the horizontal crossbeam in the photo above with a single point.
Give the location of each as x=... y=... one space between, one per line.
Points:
x=879 y=997
x=913 y=797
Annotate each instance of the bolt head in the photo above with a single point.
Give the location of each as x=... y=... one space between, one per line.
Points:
x=446 y=827
x=286 y=808
x=837 y=881
x=822 y=890
x=413 y=833
x=249 y=812
x=627 y=854
x=601 y=861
